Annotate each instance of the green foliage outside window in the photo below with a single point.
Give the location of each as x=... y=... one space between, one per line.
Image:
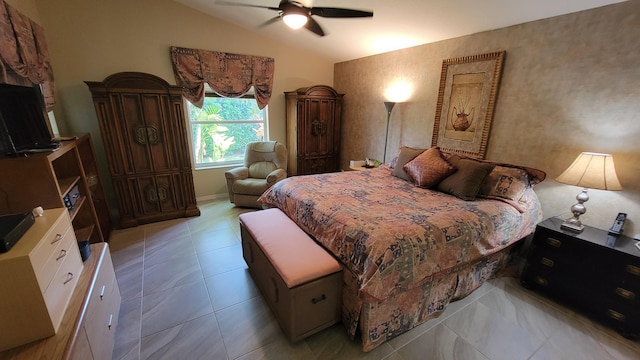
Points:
x=223 y=127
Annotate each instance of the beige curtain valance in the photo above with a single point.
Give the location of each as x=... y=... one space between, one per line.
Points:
x=229 y=75
x=24 y=52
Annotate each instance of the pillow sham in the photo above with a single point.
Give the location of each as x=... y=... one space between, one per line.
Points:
x=465 y=183
x=507 y=184
x=406 y=154
x=428 y=169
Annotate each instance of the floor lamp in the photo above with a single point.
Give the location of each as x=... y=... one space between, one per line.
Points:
x=389 y=106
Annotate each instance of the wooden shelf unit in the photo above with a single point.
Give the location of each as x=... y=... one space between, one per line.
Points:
x=44 y=179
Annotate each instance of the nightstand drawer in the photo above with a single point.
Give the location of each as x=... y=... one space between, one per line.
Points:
x=625 y=319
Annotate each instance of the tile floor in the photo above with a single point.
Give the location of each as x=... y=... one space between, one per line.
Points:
x=187 y=294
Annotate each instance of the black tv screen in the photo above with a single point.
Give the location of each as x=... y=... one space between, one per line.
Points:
x=23 y=121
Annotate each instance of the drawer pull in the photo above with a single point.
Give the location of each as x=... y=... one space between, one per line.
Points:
x=56 y=239
x=633 y=270
x=547 y=262
x=541 y=281
x=102 y=292
x=63 y=253
x=69 y=278
x=629 y=295
x=318 y=299
x=110 y=320
x=615 y=315
x=553 y=242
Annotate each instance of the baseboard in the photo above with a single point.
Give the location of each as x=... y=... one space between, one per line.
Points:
x=212 y=197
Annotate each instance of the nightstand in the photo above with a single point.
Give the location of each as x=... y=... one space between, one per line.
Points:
x=580 y=270
x=358 y=165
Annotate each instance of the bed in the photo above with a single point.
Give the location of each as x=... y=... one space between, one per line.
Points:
x=408 y=250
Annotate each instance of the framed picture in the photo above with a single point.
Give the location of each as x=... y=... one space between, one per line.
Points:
x=466 y=99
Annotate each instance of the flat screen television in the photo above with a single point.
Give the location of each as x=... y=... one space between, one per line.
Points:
x=23 y=120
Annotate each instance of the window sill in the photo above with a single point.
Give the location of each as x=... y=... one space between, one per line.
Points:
x=213 y=167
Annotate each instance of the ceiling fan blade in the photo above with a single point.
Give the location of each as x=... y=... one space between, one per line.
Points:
x=329 y=12
x=229 y=3
x=269 y=22
x=314 y=27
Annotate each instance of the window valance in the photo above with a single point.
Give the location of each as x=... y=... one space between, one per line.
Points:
x=24 y=52
x=229 y=75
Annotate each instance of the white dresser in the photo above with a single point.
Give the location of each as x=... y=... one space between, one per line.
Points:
x=39 y=275
x=49 y=295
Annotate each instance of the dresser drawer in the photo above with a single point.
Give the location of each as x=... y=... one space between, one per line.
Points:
x=61 y=288
x=102 y=311
x=47 y=270
x=49 y=242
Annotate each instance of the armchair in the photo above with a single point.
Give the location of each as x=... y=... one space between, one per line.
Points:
x=265 y=163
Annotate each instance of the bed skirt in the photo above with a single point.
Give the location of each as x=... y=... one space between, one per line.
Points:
x=379 y=321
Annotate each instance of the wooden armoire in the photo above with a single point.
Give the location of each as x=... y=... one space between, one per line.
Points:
x=313 y=130
x=143 y=128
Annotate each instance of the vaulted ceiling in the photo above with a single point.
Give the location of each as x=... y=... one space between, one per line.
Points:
x=396 y=24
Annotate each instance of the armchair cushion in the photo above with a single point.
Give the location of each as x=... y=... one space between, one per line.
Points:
x=250 y=186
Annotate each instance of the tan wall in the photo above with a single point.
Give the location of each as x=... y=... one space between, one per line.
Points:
x=569 y=84
x=91 y=39
x=27 y=7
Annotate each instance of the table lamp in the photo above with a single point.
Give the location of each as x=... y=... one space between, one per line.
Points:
x=589 y=170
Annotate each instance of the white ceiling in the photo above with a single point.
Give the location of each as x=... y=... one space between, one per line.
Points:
x=395 y=24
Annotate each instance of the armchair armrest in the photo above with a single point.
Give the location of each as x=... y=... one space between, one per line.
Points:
x=238 y=173
x=275 y=176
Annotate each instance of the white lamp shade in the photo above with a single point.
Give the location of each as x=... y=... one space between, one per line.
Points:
x=592 y=170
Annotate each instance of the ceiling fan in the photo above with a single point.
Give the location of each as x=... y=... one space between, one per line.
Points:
x=296 y=15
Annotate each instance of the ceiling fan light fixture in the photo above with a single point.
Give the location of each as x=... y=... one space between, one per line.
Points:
x=295 y=21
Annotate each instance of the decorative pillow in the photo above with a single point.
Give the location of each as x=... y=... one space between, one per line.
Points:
x=535 y=176
x=465 y=183
x=406 y=154
x=507 y=184
x=428 y=169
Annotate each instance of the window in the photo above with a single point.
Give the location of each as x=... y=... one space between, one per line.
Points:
x=223 y=127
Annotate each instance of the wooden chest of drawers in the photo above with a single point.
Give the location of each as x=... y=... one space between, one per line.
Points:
x=39 y=275
x=583 y=272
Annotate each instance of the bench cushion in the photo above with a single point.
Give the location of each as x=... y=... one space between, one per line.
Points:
x=283 y=242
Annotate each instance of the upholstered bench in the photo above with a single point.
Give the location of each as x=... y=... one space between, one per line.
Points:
x=300 y=281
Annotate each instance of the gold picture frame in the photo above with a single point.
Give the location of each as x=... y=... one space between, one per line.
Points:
x=466 y=100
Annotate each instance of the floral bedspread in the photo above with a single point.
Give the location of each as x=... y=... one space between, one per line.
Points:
x=392 y=235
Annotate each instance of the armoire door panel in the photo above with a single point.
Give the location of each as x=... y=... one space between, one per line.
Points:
x=158 y=131
x=145 y=186
x=132 y=122
x=127 y=201
x=167 y=196
x=111 y=130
